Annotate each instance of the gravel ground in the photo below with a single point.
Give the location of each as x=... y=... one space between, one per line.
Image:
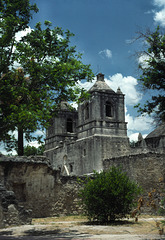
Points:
x=145 y=229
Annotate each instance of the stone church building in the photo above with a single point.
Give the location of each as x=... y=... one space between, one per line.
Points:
x=94 y=137
x=78 y=140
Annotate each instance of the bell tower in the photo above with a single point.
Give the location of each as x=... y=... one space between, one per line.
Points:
x=103 y=113
x=62 y=128
x=78 y=141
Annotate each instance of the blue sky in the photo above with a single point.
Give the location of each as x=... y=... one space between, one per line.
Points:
x=104 y=30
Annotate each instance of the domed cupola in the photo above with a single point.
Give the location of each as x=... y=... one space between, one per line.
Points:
x=100 y=85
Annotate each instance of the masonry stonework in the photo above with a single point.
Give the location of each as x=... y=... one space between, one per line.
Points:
x=94 y=137
x=38 y=188
x=77 y=140
x=34 y=189
x=147 y=169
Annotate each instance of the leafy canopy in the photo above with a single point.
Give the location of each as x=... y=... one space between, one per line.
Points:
x=153 y=73
x=14 y=17
x=50 y=69
x=108 y=195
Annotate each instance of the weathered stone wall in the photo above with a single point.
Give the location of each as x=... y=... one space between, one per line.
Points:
x=32 y=188
x=147 y=169
x=11 y=213
x=84 y=155
x=39 y=188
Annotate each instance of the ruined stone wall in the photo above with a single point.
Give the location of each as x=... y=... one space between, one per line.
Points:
x=147 y=169
x=11 y=213
x=37 y=187
x=40 y=191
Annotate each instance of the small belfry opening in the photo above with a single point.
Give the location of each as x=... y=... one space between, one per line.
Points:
x=109 y=109
x=71 y=167
x=69 y=125
x=86 y=111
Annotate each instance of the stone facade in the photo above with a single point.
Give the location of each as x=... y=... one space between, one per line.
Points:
x=39 y=190
x=147 y=170
x=94 y=137
x=32 y=189
x=11 y=212
x=77 y=141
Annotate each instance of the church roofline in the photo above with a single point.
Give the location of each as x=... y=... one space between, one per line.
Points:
x=100 y=85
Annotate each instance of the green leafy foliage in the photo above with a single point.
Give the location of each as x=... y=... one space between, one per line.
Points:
x=49 y=72
x=108 y=195
x=153 y=74
x=14 y=17
x=31 y=150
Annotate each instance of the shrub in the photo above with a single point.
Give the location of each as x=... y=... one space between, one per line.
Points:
x=107 y=196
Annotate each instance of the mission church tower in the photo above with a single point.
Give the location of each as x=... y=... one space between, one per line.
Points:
x=78 y=141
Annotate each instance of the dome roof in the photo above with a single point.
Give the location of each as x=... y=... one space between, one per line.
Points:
x=100 y=85
x=64 y=105
x=158 y=132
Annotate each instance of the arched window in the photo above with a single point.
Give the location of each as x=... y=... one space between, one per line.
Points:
x=109 y=109
x=69 y=125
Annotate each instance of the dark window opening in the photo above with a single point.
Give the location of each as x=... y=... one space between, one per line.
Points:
x=84 y=152
x=109 y=109
x=69 y=125
x=71 y=167
x=87 y=111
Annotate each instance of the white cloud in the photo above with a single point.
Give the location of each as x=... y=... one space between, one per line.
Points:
x=18 y=37
x=138 y=124
x=142 y=60
x=87 y=85
x=106 y=53
x=127 y=85
x=159 y=17
x=34 y=144
x=134 y=136
x=4 y=152
x=23 y=33
x=159 y=3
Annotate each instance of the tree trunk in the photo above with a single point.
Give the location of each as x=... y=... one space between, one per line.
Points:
x=20 y=141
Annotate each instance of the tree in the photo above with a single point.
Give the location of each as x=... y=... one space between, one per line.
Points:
x=153 y=73
x=50 y=70
x=108 y=195
x=31 y=150
x=14 y=17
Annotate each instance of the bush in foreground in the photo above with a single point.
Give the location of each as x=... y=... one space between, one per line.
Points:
x=108 y=196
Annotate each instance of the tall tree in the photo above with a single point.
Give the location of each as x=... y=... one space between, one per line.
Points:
x=14 y=17
x=153 y=73
x=50 y=70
